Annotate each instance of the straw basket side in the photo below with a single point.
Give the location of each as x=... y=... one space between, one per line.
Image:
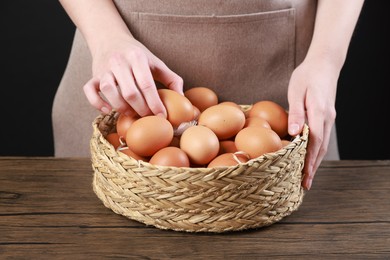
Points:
x=250 y=195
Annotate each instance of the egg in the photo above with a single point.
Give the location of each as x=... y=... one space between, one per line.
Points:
x=123 y=123
x=225 y=121
x=200 y=144
x=257 y=121
x=149 y=134
x=179 y=108
x=285 y=142
x=256 y=141
x=201 y=97
x=227 y=146
x=274 y=113
x=114 y=140
x=170 y=156
x=230 y=103
x=126 y=150
x=228 y=159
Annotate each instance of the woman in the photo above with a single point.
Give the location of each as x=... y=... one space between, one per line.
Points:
x=288 y=51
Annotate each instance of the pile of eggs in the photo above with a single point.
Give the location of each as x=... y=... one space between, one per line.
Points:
x=200 y=131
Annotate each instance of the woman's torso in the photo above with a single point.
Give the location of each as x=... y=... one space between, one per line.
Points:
x=245 y=50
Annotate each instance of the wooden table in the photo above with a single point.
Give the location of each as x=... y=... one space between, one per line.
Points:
x=48 y=211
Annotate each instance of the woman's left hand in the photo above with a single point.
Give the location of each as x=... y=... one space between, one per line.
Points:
x=311 y=97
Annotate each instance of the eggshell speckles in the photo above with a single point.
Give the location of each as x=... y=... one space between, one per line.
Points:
x=225 y=121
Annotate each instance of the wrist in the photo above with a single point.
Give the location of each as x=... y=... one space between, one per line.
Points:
x=105 y=40
x=327 y=57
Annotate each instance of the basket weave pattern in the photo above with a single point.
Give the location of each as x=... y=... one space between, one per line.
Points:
x=250 y=195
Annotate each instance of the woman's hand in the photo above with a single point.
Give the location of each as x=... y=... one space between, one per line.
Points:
x=312 y=88
x=311 y=96
x=124 y=71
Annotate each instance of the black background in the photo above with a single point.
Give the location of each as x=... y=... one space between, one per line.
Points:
x=36 y=39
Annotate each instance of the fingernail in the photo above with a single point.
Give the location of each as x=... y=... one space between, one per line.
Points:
x=309 y=182
x=105 y=110
x=294 y=128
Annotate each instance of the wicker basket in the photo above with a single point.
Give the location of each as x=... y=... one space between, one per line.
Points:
x=250 y=195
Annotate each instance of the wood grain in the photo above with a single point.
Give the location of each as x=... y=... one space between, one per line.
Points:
x=48 y=210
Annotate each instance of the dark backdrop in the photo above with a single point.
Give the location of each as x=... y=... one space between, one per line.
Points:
x=36 y=39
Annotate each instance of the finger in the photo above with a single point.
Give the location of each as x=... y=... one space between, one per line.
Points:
x=128 y=88
x=324 y=148
x=306 y=171
x=108 y=87
x=91 y=91
x=316 y=136
x=147 y=86
x=168 y=78
x=296 y=113
x=132 y=95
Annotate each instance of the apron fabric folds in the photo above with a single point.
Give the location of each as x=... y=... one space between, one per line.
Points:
x=245 y=50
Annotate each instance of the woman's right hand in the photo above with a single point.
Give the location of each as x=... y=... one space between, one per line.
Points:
x=124 y=71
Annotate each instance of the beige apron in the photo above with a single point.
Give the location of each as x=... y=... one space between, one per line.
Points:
x=245 y=50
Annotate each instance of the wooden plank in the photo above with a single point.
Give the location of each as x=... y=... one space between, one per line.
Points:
x=279 y=240
x=348 y=191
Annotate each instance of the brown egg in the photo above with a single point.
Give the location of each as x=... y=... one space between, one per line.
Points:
x=200 y=144
x=227 y=146
x=274 y=113
x=149 y=134
x=257 y=141
x=285 y=142
x=123 y=123
x=228 y=159
x=230 y=103
x=257 y=121
x=178 y=107
x=126 y=150
x=170 y=156
x=201 y=97
x=114 y=139
x=224 y=121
